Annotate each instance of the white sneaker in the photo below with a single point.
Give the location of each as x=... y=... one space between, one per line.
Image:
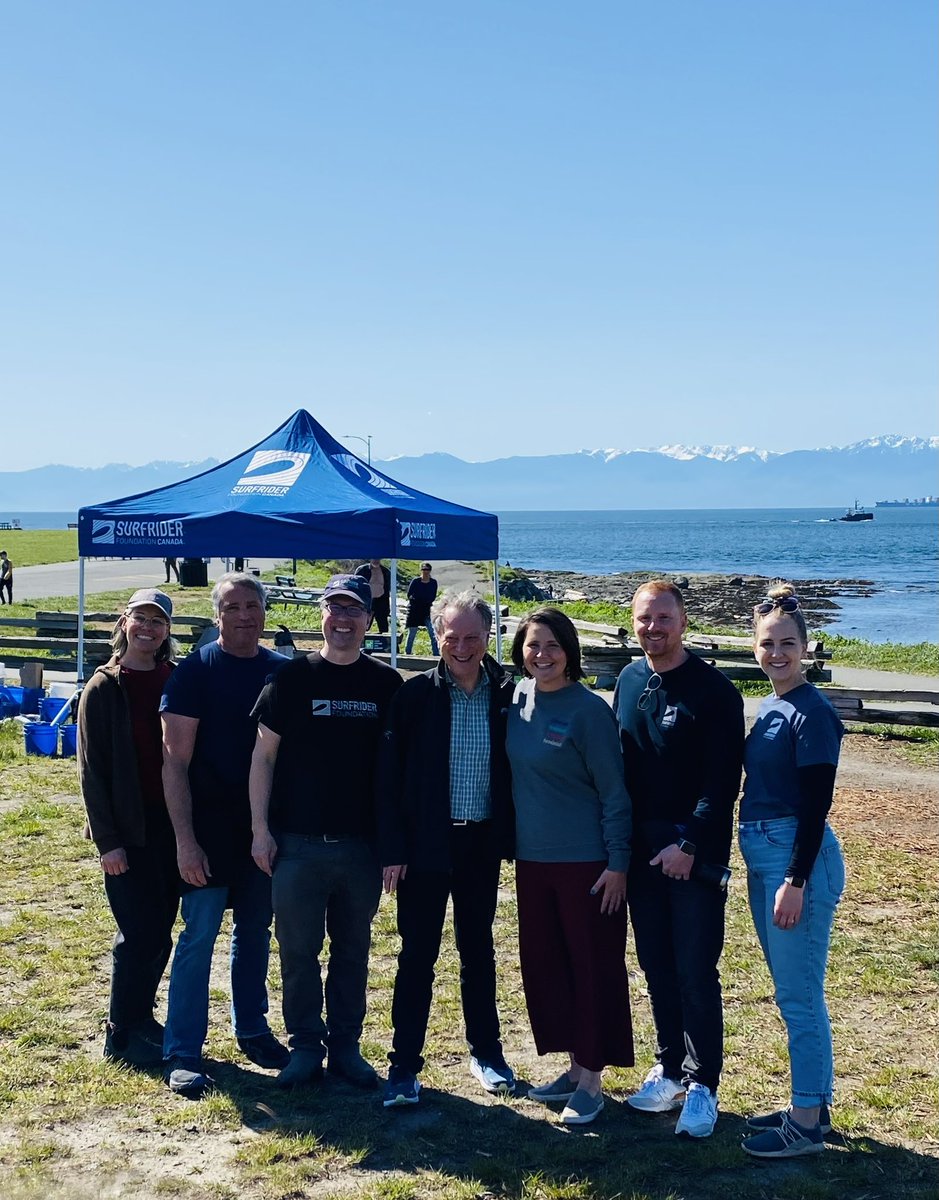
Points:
x=699 y=1112
x=658 y=1093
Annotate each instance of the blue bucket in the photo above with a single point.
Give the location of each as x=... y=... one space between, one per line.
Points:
x=32 y=698
x=16 y=694
x=9 y=705
x=69 y=734
x=40 y=739
x=50 y=707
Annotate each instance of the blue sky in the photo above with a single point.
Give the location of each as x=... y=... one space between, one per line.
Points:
x=484 y=228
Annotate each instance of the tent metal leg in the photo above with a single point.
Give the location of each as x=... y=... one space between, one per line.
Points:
x=496 y=607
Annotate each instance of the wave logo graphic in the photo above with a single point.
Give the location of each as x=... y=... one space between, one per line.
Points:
x=102 y=533
x=258 y=481
x=362 y=471
x=417 y=533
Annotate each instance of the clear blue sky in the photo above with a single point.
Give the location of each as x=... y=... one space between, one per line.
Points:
x=478 y=227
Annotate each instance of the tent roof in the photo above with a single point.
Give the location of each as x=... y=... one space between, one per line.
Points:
x=297 y=494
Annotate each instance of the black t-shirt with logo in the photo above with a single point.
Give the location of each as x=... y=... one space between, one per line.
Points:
x=330 y=720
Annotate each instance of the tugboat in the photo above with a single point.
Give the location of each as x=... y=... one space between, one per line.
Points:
x=857 y=514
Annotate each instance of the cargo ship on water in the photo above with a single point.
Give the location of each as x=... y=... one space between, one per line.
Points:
x=920 y=502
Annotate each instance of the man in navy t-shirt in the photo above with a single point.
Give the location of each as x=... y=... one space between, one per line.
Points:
x=208 y=737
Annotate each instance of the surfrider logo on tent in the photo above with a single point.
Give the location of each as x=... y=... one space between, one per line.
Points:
x=365 y=473
x=102 y=533
x=417 y=533
x=256 y=481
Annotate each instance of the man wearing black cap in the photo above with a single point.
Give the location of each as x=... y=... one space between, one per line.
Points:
x=312 y=782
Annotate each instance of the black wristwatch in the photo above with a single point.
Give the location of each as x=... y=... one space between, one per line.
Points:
x=795 y=881
x=687 y=847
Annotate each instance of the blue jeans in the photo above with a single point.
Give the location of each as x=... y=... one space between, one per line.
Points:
x=797 y=957
x=412 y=634
x=187 y=1017
x=324 y=887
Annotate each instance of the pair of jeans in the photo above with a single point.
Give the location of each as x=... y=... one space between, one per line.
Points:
x=473 y=883
x=144 y=901
x=324 y=885
x=187 y=1018
x=412 y=634
x=678 y=925
x=797 y=957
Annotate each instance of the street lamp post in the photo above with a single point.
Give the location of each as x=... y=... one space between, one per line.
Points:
x=367 y=440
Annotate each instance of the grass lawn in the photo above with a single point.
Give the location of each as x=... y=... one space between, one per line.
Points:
x=74 y=1126
x=38 y=547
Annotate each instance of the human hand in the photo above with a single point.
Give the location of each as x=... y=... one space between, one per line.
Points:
x=675 y=863
x=613 y=886
x=114 y=862
x=193 y=864
x=787 y=909
x=264 y=851
x=391 y=876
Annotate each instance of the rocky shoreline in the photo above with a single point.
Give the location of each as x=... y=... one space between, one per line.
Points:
x=725 y=600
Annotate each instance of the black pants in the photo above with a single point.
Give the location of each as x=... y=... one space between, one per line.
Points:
x=678 y=925
x=473 y=882
x=144 y=901
x=381 y=609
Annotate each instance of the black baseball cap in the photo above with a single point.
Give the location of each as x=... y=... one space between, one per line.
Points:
x=353 y=586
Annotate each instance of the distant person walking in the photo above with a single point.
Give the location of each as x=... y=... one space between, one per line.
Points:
x=120 y=763
x=422 y=592
x=795 y=871
x=170 y=565
x=379 y=580
x=6 y=578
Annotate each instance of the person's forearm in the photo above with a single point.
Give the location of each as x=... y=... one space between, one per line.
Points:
x=260 y=782
x=179 y=801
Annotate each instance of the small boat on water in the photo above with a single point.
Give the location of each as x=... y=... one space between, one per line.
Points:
x=856 y=514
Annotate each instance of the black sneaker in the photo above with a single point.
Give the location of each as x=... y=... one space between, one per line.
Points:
x=349 y=1065
x=304 y=1069
x=138 y=1047
x=187 y=1077
x=265 y=1051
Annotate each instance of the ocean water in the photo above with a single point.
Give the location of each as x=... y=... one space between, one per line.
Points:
x=898 y=551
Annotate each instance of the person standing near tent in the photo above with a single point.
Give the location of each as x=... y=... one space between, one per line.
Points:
x=120 y=760
x=320 y=721
x=379 y=582
x=6 y=578
x=422 y=592
x=208 y=737
x=170 y=564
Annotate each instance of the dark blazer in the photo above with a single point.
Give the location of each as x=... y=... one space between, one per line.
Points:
x=413 y=802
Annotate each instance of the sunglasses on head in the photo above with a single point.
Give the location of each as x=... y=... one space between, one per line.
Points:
x=786 y=604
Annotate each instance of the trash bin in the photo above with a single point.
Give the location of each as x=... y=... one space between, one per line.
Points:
x=193 y=572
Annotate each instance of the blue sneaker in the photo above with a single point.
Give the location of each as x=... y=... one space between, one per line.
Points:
x=787 y=1140
x=403 y=1087
x=495 y=1075
x=775 y=1120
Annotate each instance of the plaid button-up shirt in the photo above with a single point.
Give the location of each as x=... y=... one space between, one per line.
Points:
x=470 y=796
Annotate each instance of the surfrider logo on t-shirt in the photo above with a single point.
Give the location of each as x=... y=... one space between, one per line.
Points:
x=345 y=708
x=556 y=733
x=773 y=728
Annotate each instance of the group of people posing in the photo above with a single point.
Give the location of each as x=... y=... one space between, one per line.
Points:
x=293 y=791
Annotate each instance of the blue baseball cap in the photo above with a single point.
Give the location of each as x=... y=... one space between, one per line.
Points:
x=353 y=586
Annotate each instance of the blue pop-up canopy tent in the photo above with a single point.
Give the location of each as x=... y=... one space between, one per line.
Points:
x=297 y=494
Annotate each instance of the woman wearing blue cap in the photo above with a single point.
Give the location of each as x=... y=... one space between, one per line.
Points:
x=120 y=761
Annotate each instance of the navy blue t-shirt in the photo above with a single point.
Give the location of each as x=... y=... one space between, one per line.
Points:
x=799 y=729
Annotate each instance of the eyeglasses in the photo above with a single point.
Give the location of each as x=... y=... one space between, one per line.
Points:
x=655 y=682
x=786 y=604
x=345 y=610
x=153 y=622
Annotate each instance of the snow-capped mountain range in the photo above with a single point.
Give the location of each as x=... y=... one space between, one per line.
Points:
x=672 y=476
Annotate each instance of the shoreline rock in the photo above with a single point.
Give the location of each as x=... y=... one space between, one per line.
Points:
x=711 y=599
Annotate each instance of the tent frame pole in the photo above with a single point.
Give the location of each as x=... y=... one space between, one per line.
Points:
x=393 y=613
x=497 y=608
x=80 y=653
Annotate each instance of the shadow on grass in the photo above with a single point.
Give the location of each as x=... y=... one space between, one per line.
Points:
x=516 y=1148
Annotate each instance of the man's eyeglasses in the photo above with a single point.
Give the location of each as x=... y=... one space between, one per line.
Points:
x=786 y=604
x=345 y=610
x=153 y=622
x=655 y=682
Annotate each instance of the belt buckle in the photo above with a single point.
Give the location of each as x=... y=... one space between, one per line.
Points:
x=461 y=823
x=328 y=839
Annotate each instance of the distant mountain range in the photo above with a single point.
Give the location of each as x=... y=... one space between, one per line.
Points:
x=881 y=468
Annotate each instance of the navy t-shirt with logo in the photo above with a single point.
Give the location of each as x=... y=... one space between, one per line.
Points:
x=330 y=720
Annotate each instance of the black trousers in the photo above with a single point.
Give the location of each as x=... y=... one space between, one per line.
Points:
x=381 y=610
x=473 y=882
x=678 y=925
x=144 y=901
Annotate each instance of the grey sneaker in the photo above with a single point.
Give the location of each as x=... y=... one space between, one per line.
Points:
x=188 y=1077
x=774 y=1120
x=560 y=1089
x=303 y=1070
x=582 y=1108
x=348 y=1064
x=788 y=1140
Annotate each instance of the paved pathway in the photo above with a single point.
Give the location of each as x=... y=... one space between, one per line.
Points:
x=105 y=575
